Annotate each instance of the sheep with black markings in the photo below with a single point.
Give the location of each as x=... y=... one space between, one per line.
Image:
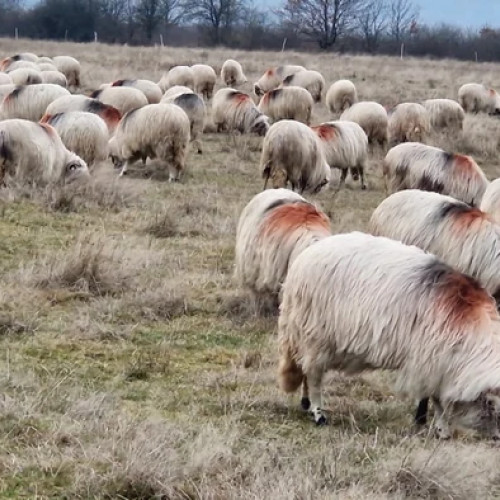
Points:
x=288 y=103
x=204 y=80
x=274 y=77
x=341 y=95
x=274 y=227
x=124 y=99
x=292 y=153
x=232 y=73
x=8 y=61
x=416 y=166
x=25 y=76
x=312 y=81
x=33 y=152
x=408 y=122
x=445 y=114
x=156 y=131
x=372 y=117
x=178 y=75
x=477 y=98
x=356 y=302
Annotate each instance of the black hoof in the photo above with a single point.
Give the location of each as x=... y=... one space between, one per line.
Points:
x=321 y=421
x=421 y=413
x=363 y=188
x=305 y=403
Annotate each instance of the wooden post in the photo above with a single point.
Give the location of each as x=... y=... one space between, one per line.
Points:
x=475 y=55
x=402 y=50
x=161 y=39
x=284 y=44
x=95 y=37
x=16 y=33
x=66 y=35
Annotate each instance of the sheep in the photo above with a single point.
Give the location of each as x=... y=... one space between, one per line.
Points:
x=232 y=73
x=312 y=81
x=55 y=77
x=178 y=75
x=150 y=89
x=293 y=153
x=445 y=114
x=45 y=59
x=491 y=200
x=70 y=68
x=26 y=56
x=346 y=147
x=289 y=103
x=477 y=98
x=204 y=80
x=25 y=76
x=22 y=64
x=65 y=104
x=46 y=66
x=155 y=130
x=275 y=226
x=5 y=79
x=273 y=78
x=124 y=99
x=235 y=111
x=83 y=133
x=372 y=117
x=409 y=122
x=176 y=90
x=354 y=302
x=341 y=95
x=5 y=90
x=29 y=102
x=34 y=153
x=194 y=107
x=416 y=166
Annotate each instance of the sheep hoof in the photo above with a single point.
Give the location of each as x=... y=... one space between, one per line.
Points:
x=305 y=403
x=320 y=421
x=363 y=188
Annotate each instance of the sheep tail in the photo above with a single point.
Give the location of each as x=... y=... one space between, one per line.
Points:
x=289 y=373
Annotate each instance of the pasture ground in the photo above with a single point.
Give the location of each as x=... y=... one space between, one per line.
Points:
x=133 y=368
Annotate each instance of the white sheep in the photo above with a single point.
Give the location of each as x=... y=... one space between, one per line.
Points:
x=194 y=107
x=5 y=79
x=409 y=122
x=150 y=89
x=292 y=153
x=29 y=102
x=233 y=110
x=86 y=134
x=232 y=73
x=25 y=76
x=416 y=166
x=355 y=302
x=178 y=75
x=176 y=90
x=341 y=95
x=312 y=81
x=491 y=200
x=275 y=226
x=46 y=66
x=33 y=152
x=346 y=147
x=273 y=78
x=204 y=80
x=124 y=99
x=477 y=98
x=445 y=114
x=372 y=117
x=8 y=61
x=55 y=77
x=70 y=68
x=45 y=59
x=288 y=103
x=22 y=64
x=157 y=131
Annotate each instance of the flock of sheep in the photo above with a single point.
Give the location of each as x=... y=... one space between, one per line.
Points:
x=419 y=295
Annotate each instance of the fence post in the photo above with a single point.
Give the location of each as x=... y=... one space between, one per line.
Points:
x=284 y=44
x=161 y=39
x=402 y=50
x=95 y=37
x=16 y=33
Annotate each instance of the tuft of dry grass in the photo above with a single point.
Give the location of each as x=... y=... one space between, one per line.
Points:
x=163 y=226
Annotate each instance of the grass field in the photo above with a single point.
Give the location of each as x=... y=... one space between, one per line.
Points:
x=133 y=368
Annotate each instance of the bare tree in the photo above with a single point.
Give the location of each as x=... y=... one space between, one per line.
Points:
x=372 y=21
x=172 y=11
x=148 y=16
x=403 y=15
x=321 y=20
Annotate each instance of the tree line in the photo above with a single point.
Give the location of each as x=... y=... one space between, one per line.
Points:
x=372 y=26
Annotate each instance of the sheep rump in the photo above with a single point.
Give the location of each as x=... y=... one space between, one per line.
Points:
x=372 y=117
x=288 y=103
x=232 y=73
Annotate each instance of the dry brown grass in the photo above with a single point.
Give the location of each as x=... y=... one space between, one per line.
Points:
x=132 y=368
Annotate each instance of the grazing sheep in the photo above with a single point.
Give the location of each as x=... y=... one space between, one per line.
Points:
x=176 y=90
x=289 y=103
x=355 y=302
x=312 y=81
x=83 y=133
x=346 y=147
x=5 y=79
x=55 y=77
x=178 y=75
x=156 y=131
x=445 y=114
x=235 y=111
x=34 y=153
x=46 y=66
x=293 y=153
x=150 y=89
x=232 y=73
x=194 y=107
x=29 y=102
x=70 y=68
x=491 y=200
x=275 y=226
x=124 y=99
x=5 y=90
x=65 y=104
x=477 y=98
x=372 y=117
x=204 y=80
x=416 y=166
x=45 y=59
x=25 y=76
x=409 y=122
x=273 y=78
x=22 y=64
x=8 y=61
x=341 y=95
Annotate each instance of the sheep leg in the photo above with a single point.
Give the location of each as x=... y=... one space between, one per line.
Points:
x=421 y=413
x=361 y=171
x=442 y=425
x=124 y=169
x=314 y=381
x=305 y=402
x=343 y=177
